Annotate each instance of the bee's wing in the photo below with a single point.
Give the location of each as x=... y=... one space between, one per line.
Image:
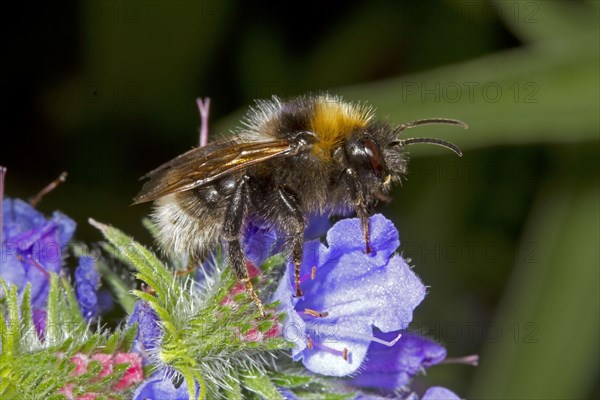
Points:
x=203 y=165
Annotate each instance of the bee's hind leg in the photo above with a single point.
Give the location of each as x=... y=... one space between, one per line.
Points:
x=234 y=218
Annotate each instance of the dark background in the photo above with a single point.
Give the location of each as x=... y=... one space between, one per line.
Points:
x=507 y=236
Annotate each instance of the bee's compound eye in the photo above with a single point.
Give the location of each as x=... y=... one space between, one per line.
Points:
x=374 y=154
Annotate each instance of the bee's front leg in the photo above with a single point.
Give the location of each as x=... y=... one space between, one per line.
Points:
x=360 y=204
x=296 y=223
x=234 y=218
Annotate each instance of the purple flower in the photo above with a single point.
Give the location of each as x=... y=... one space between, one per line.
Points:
x=352 y=292
x=259 y=242
x=32 y=248
x=390 y=368
x=86 y=286
x=318 y=225
x=149 y=332
x=160 y=386
x=433 y=393
x=439 y=393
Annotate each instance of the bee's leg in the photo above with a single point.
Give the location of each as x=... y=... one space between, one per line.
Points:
x=360 y=203
x=234 y=217
x=238 y=263
x=290 y=206
x=363 y=215
x=191 y=267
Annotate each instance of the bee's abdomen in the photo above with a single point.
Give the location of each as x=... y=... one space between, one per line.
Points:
x=190 y=223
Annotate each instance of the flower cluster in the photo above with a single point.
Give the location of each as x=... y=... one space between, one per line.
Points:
x=36 y=296
x=32 y=248
x=356 y=307
x=346 y=293
x=202 y=337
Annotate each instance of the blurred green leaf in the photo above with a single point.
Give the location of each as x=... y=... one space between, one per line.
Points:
x=519 y=96
x=550 y=313
x=545 y=20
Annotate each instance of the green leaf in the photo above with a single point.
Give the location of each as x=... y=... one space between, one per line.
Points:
x=234 y=390
x=11 y=334
x=26 y=313
x=93 y=342
x=128 y=338
x=112 y=344
x=264 y=326
x=189 y=378
x=549 y=309
x=150 y=269
x=534 y=21
x=29 y=338
x=290 y=380
x=53 y=325
x=75 y=315
x=275 y=261
x=262 y=385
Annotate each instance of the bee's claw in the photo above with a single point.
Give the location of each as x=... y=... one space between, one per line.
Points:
x=299 y=292
x=254 y=297
x=261 y=310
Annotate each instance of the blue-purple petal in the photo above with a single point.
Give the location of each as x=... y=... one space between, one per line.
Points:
x=32 y=247
x=258 y=243
x=66 y=227
x=439 y=393
x=346 y=236
x=287 y=394
x=12 y=270
x=39 y=321
x=106 y=301
x=318 y=225
x=87 y=281
x=355 y=289
x=86 y=295
x=19 y=217
x=149 y=332
x=42 y=257
x=391 y=368
x=160 y=386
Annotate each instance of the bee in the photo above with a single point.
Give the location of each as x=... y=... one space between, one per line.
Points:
x=313 y=154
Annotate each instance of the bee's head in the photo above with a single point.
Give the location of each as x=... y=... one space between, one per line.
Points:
x=377 y=152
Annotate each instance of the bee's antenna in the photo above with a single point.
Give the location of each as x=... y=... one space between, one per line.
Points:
x=438 y=142
x=431 y=121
